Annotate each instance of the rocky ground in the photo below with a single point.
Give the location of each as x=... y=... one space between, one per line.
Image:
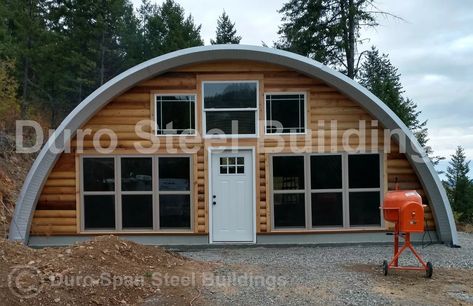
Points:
x=112 y=271
x=348 y=275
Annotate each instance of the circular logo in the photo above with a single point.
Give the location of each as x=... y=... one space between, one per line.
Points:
x=25 y=281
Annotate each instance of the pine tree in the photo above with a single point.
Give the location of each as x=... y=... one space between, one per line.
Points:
x=26 y=29
x=380 y=77
x=459 y=187
x=9 y=104
x=326 y=30
x=63 y=50
x=166 y=29
x=5 y=38
x=226 y=32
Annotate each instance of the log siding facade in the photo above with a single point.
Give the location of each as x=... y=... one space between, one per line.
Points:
x=57 y=208
x=58 y=212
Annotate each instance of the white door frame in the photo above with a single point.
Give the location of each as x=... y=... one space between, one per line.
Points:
x=253 y=187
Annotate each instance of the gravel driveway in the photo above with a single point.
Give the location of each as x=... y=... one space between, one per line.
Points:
x=340 y=275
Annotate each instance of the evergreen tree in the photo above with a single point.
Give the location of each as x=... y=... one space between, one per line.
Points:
x=380 y=77
x=25 y=28
x=63 y=50
x=326 y=30
x=226 y=32
x=5 y=43
x=131 y=39
x=459 y=187
x=9 y=104
x=166 y=29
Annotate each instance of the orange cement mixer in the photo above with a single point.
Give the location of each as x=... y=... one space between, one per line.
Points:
x=405 y=209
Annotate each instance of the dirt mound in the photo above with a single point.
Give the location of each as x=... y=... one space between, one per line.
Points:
x=13 y=170
x=104 y=271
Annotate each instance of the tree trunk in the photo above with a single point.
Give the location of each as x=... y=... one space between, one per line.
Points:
x=350 y=51
x=80 y=93
x=102 y=59
x=26 y=69
x=24 y=98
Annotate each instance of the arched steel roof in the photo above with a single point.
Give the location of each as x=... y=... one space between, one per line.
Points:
x=37 y=176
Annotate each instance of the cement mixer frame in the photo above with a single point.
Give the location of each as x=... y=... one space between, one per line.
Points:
x=394 y=263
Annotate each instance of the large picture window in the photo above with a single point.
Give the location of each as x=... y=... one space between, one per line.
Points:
x=326 y=190
x=175 y=114
x=285 y=113
x=136 y=193
x=230 y=107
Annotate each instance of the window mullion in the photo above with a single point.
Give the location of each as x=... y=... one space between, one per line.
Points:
x=308 y=198
x=161 y=114
x=270 y=110
x=118 y=196
x=345 y=196
x=82 y=193
x=155 y=193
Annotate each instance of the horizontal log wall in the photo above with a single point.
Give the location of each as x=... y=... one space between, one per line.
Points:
x=56 y=212
x=56 y=208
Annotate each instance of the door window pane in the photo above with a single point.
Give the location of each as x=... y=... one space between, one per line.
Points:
x=174 y=211
x=285 y=113
x=230 y=95
x=289 y=210
x=137 y=211
x=364 y=208
x=230 y=122
x=363 y=171
x=99 y=211
x=99 y=174
x=175 y=114
x=232 y=165
x=136 y=174
x=327 y=209
x=288 y=172
x=326 y=171
x=174 y=173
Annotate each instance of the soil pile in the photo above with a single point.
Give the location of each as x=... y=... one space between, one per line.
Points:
x=104 y=271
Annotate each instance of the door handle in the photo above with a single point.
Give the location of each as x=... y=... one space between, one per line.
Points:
x=214 y=202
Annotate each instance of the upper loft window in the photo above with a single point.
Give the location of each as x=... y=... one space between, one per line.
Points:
x=175 y=114
x=230 y=108
x=285 y=113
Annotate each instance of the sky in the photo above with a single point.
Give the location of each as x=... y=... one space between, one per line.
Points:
x=431 y=45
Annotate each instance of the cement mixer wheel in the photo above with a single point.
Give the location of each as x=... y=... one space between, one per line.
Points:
x=385 y=268
x=430 y=270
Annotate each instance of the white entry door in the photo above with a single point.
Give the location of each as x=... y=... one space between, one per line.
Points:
x=232 y=197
